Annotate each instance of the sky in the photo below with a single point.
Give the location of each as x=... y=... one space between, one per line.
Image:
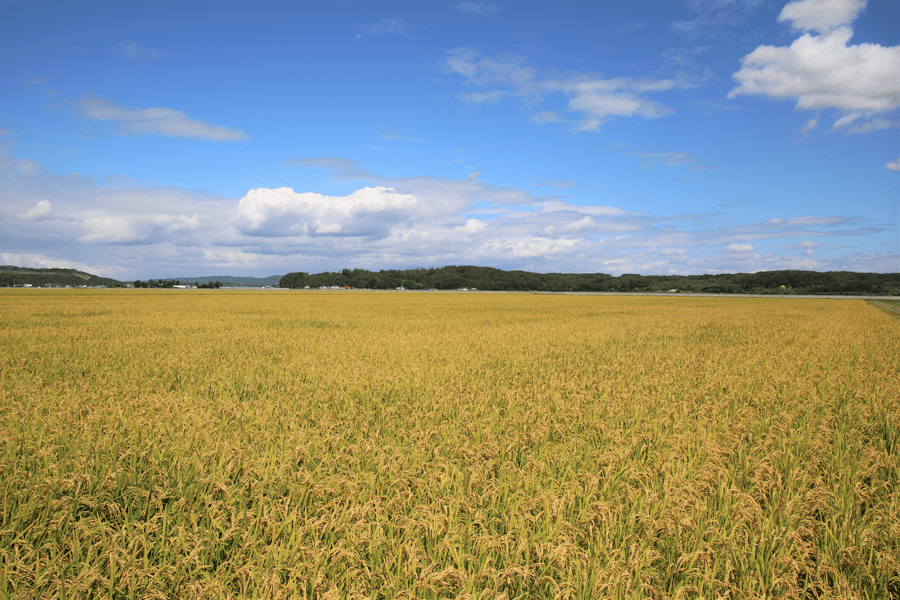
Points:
x=164 y=139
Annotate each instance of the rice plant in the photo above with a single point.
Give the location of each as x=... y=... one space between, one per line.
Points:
x=194 y=444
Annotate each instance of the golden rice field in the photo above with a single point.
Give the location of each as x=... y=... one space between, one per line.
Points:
x=194 y=444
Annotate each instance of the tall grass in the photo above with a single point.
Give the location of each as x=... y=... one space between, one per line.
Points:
x=349 y=445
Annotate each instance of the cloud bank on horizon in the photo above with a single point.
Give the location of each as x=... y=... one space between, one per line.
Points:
x=652 y=138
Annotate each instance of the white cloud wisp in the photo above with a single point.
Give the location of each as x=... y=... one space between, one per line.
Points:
x=161 y=121
x=592 y=97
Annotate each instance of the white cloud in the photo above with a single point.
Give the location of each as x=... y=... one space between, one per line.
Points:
x=599 y=99
x=591 y=96
x=875 y=124
x=41 y=210
x=162 y=121
x=472 y=226
x=739 y=248
x=477 y=8
x=824 y=71
x=821 y=15
x=810 y=125
x=894 y=165
x=135 y=228
x=369 y=212
x=531 y=247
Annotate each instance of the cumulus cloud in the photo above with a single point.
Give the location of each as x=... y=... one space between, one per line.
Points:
x=477 y=8
x=369 y=212
x=161 y=121
x=739 y=248
x=472 y=226
x=821 y=15
x=41 y=210
x=894 y=165
x=591 y=96
x=825 y=71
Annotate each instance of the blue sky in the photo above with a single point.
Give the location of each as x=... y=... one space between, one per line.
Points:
x=173 y=139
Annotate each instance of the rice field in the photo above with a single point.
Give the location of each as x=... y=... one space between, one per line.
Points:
x=219 y=444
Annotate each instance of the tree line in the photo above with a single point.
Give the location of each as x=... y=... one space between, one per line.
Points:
x=491 y=279
x=170 y=283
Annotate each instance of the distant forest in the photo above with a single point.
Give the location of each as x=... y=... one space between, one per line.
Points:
x=490 y=279
x=21 y=276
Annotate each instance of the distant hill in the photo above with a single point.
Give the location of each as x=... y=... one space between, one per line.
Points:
x=22 y=276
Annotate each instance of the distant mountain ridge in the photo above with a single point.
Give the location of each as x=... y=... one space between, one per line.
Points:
x=11 y=276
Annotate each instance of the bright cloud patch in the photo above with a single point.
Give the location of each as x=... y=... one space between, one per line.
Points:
x=136 y=229
x=369 y=212
x=821 y=15
x=824 y=71
x=161 y=121
x=41 y=210
x=472 y=226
